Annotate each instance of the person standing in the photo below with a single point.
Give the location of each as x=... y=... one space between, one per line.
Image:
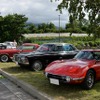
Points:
x=15 y=43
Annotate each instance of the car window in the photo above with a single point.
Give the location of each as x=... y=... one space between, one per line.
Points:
x=72 y=47
x=84 y=55
x=19 y=47
x=46 y=47
x=28 y=47
x=3 y=47
x=64 y=48
x=53 y=47
x=58 y=48
x=68 y=48
x=8 y=44
x=97 y=55
x=88 y=55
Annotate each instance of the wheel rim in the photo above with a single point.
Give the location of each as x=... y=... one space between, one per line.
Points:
x=90 y=80
x=4 y=58
x=37 y=66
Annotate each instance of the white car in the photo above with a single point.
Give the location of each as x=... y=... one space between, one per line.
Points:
x=10 y=44
x=2 y=44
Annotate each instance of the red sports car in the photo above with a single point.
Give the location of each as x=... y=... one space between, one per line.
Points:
x=83 y=69
x=6 y=54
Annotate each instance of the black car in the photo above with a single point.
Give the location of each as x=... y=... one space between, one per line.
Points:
x=45 y=54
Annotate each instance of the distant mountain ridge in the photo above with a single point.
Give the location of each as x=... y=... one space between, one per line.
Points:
x=36 y=24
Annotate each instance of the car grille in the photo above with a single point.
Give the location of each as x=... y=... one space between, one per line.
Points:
x=14 y=58
x=17 y=58
x=60 y=78
x=55 y=76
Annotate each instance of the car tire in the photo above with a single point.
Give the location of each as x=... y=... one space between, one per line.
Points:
x=22 y=66
x=37 y=65
x=89 y=80
x=4 y=58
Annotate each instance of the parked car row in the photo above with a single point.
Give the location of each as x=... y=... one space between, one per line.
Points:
x=62 y=62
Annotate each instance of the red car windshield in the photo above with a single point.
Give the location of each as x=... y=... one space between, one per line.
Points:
x=89 y=55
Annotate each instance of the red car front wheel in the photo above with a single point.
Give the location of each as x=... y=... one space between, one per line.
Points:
x=89 y=80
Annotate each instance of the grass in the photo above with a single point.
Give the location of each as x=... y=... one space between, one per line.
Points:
x=61 y=92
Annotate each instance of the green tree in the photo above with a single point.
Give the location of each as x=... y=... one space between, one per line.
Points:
x=42 y=27
x=1 y=28
x=45 y=28
x=51 y=27
x=13 y=26
x=32 y=28
x=79 y=8
x=76 y=27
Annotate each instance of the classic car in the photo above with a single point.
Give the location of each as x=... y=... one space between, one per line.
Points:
x=45 y=54
x=6 y=54
x=83 y=69
x=10 y=44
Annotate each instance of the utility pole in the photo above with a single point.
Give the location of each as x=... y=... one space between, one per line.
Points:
x=59 y=28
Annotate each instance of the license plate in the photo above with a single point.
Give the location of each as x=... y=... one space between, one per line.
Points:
x=54 y=81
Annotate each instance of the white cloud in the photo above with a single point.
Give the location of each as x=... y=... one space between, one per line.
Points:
x=37 y=11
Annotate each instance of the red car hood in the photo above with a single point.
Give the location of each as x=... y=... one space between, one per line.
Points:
x=69 y=67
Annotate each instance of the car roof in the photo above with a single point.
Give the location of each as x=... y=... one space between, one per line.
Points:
x=8 y=42
x=59 y=43
x=97 y=50
x=29 y=44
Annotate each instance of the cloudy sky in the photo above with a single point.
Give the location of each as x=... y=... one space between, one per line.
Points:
x=37 y=11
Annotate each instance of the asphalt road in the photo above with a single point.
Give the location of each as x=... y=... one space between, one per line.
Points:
x=10 y=91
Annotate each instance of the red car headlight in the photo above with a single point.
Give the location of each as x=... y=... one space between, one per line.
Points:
x=68 y=79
